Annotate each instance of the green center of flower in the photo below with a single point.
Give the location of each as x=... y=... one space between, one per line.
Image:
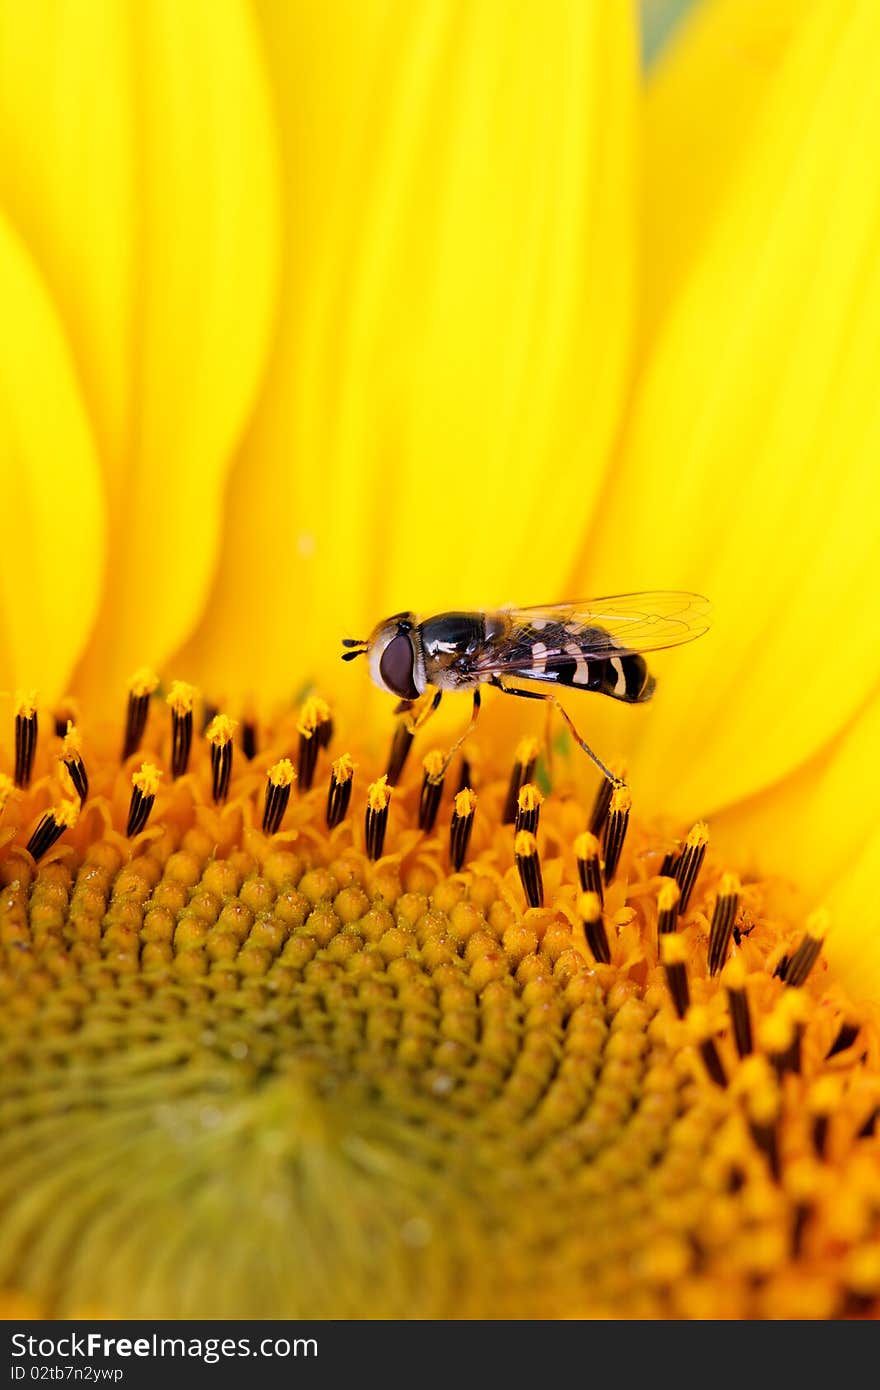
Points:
x=320 y=1051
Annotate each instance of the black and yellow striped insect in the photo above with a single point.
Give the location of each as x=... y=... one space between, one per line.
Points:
x=596 y=645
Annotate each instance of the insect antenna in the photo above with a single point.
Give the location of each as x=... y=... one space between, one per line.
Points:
x=358 y=645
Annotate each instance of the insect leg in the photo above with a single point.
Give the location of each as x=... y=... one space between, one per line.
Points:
x=548 y=740
x=545 y=695
x=425 y=714
x=475 y=714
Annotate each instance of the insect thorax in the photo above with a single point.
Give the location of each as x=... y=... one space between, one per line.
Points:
x=451 y=644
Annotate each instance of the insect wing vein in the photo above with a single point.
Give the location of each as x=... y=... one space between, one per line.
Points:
x=621 y=624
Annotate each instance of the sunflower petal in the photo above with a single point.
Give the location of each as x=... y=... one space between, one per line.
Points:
x=813 y=824
x=852 y=946
x=750 y=469
x=136 y=150
x=456 y=319
x=52 y=504
x=703 y=103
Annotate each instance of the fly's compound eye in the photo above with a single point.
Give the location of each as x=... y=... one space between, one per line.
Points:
x=396 y=667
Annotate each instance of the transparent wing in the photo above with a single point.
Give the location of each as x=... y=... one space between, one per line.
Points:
x=601 y=627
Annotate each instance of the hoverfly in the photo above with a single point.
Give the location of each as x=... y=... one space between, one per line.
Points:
x=596 y=644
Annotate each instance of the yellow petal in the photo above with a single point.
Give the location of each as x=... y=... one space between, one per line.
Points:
x=456 y=320
x=853 y=945
x=136 y=150
x=703 y=104
x=812 y=826
x=749 y=471
x=67 y=178
x=53 y=520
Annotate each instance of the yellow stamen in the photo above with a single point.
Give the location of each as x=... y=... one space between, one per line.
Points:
x=530 y=797
x=313 y=714
x=525 y=844
x=465 y=803
x=690 y=861
x=66 y=814
x=524 y=761
x=282 y=773
x=221 y=730
x=181 y=697
x=589 y=906
x=586 y=846
x=525 y=849
x=667 y=906
x=146 y=779
x=378 y=801
x=280 y=779
x=339 y=793
x=433 y=763
x=461 y=826
x=673 y=950
x=378 y=794
x=71 y=747
x=616 y=827
x=343 y=768
x=587 y=852
x=25 y=703
x=796 y=970
x=140 y=687
x=26 y=728
x=144 y=785
x=528 y=809
x=314 y=727
x=143 y=682
x=74 y=777
x=602 y=801
x=668 y=896
x=723 y=918
x=51 y=826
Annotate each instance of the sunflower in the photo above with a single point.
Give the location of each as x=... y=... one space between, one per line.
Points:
x=314 y=314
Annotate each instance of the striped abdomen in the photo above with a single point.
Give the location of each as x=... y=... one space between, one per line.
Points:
x=569 y=658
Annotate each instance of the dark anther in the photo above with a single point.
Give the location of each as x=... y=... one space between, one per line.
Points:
x=48 y=830
x=521 y=772
x=590 y=909
x=587 y=851
x=616 y=826
x=432 y=790
x=712 y=1060
x=249 y=739
x=401 y=743
x=279 y=780
x=141 y=687
x=339 y=791
x=376 y=819
x=460 y=827
x=723 y=917
x=689 y=864
x=528 y=865
x=25 y=742
x=599 y=813
x=846 y=1036
x=528 y=810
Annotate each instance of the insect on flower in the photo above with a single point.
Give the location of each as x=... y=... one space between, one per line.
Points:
x=596 y=644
